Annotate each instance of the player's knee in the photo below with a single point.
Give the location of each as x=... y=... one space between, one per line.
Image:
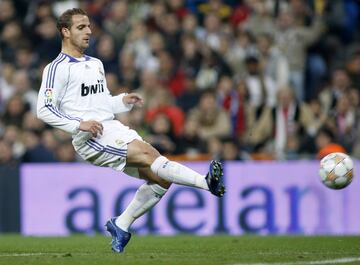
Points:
x=149 y=155
x=141 y=154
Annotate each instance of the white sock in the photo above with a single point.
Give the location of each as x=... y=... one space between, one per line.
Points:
x=145 y=198
x=176 y=173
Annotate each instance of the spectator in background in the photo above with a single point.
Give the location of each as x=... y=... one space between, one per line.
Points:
x=261 y=21
x=326 y=143
x=342 y=122
x=353 y=69
x=6 y=155
x=191 y=58
x=190 y=96
x=15 y=111
x=212 y=120
x=22 y=86
x=65 y=152
x=129 y=76
x=35 y=152
x=340 y=83
x=106 y=51
x=320 y=118
x=137 y=43
x=230 y=150
x=217 y=7
x=177 y=7
x=25 y=59
x=12 y=136
x=136 y=120
x=161 y=134
x=277 y=124
x=117 y=23
x=214 y=147
x=6 y=87
x=212 y=67
x=190 y=26
x=150 y=88
x=112 y=82
x=12 y=35
x=212 y=31
x=49 y=140
x=163 y=104
x=170 y=75
x=170 y=29
x=293 y=40
x=261 y=87
x=272 y=62
x=291 y=118
x=155 y=16
x=190 y=143
x=7 y=12
x=242 y=47
x=47 y=38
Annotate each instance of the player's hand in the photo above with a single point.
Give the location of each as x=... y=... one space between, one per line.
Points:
x=91 y=126
x=133 y=98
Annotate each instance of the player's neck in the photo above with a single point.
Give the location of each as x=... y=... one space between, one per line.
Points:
x=73 y=52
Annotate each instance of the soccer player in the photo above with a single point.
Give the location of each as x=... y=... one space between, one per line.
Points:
x=74 y=97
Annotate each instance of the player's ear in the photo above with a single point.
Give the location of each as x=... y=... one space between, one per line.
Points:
x=65 y=32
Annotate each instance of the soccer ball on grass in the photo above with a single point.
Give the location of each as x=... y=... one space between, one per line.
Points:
x=336 y=170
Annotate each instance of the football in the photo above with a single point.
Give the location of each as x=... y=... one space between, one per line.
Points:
x=336 y=170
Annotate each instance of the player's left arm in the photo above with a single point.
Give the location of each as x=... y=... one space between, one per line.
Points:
x=125 y=102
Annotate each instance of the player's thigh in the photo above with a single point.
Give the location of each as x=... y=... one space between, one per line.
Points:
x=140 y=154
x=146 y=174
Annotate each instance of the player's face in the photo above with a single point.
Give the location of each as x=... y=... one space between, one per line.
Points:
x=80 y=32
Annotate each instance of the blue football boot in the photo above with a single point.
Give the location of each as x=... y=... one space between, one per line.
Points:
x=214 y=179
x=120 y=238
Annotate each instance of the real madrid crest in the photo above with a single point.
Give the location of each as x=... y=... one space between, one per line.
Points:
x=119 y=142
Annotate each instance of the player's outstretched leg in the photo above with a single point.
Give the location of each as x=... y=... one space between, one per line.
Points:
x=142 y=154
x=214 y=179
x=177 y=173
x=120 y=238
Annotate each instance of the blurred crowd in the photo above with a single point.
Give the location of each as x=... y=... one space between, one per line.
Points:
x=232 y=80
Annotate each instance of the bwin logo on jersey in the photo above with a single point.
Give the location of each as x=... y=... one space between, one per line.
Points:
x=92 y=89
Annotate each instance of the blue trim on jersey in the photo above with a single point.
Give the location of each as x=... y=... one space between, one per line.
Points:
x=104 y=150
x=50 y=69
x=58 y=113
x=94 y=146
x=51 y=73
x=54 y=112
x=115 y=149
x=53 y=78
x=99 y=147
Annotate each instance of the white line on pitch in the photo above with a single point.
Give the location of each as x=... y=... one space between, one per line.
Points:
x=317 y=262
x=41 y=254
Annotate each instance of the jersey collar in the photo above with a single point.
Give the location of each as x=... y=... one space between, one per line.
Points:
x=74 y=60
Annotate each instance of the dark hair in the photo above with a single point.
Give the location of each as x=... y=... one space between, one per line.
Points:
x=65 y=20
x=328 y=132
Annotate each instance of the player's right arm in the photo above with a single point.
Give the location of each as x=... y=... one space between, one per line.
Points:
x=54 y=82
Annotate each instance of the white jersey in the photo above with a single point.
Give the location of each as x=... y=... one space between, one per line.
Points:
x=73 y=90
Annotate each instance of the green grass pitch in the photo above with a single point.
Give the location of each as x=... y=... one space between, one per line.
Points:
x=182 y=250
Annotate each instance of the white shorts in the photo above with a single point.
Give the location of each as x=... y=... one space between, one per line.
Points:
x=108 y=149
